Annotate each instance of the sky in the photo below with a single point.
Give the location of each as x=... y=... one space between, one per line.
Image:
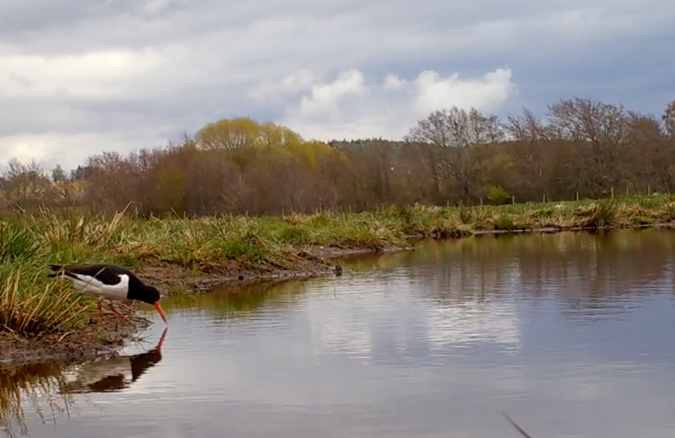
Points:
x=79 y=78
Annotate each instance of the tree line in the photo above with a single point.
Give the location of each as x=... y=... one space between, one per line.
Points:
x=580 y=148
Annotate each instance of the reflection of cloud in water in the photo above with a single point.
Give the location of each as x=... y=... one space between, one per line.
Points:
x=373 y=319
x=470 y=323
x=342 y=322
x=353 y=338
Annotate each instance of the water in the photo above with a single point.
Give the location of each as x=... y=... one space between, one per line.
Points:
x=570 y=334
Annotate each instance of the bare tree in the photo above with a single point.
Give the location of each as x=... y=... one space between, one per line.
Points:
x=600 y=130
x=448 y=135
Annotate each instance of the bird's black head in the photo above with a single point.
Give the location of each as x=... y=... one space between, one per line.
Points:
x=149 y=295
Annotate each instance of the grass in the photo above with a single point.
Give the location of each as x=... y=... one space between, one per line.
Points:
x=32 y=305
x=50 y=310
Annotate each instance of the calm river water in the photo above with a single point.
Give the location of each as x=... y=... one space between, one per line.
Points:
x=570 y=334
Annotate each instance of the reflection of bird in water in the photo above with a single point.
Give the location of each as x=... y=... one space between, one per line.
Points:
x=112 y=374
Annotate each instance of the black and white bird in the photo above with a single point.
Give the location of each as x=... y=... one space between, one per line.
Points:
x=109 y=282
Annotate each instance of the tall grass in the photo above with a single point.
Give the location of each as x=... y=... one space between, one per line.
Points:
x=32 y=305
x=32 y=309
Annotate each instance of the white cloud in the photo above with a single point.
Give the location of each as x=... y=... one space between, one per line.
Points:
x=288 y=86
x=94 y=76
x=393 y=82
x=486 y=93
x=323 y=97
x=349 y=106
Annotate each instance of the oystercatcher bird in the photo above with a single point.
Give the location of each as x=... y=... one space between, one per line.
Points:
x=109 y=282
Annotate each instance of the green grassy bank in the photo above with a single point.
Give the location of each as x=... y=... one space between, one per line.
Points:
x=33 y=306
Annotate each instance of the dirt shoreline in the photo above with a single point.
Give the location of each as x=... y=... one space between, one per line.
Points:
x=318 y=261
x=105 y=338
x=102 y=337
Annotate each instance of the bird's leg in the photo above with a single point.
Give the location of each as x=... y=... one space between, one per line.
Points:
x=126 y=307
x=112 y=307
x=100 y=308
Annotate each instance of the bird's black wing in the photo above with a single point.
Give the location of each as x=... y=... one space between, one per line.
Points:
x=107 y=274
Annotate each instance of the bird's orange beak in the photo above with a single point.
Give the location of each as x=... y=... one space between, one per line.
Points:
x=161 y=312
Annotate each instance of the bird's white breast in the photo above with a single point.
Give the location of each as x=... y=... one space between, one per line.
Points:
x=91 y=286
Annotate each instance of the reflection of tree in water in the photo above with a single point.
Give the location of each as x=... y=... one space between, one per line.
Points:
x=475 y=283
x=36 y=384
x=593 y=271
x=582 y=270
x=239 y=300
x=53 y=385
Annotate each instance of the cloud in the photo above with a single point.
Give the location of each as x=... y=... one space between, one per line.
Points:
x=130 y=74
x=99 y=75
x=352 y=107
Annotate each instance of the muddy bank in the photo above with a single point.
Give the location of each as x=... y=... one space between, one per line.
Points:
x=100 y=337
x=317 y=261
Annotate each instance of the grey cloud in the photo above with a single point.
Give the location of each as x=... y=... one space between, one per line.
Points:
x=204 y=56
x=39 y=117
x=27 y=18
